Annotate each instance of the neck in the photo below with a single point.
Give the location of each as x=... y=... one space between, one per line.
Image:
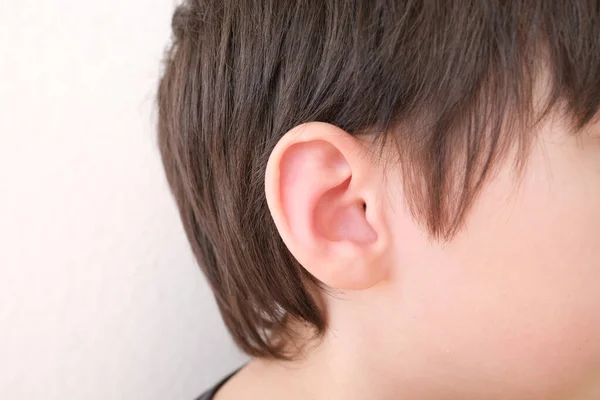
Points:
x=326 y=370
x=358 y=358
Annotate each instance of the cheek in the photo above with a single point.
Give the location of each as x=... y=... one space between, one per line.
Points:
x=532 y=264
x=511 y=320
x=516 y=296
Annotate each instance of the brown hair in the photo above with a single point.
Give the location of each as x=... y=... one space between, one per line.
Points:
x=451 y=82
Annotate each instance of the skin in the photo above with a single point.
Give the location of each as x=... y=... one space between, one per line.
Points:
x=508 y=309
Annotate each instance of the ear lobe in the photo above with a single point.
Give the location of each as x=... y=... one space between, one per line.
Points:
x=318 y=190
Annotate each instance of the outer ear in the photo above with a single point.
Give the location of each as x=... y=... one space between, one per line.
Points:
x=324 y=193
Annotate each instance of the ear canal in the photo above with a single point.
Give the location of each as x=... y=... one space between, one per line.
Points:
x=338 y=219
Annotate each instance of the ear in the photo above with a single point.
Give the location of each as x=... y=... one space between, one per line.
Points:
x=325 y=195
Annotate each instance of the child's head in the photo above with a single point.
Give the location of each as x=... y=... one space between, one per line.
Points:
x=423 y=175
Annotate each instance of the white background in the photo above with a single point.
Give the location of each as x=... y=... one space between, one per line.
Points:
x=99 y=295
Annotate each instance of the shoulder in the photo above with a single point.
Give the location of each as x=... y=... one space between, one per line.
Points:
x=210 y=393
x=262 y=379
